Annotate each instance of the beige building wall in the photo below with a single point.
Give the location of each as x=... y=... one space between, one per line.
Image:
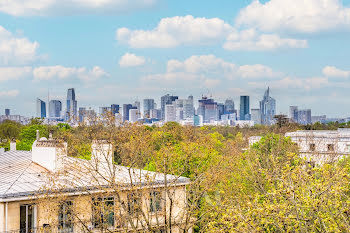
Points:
x=47 y=210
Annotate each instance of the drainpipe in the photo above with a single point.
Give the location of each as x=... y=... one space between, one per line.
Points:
x=6 y=215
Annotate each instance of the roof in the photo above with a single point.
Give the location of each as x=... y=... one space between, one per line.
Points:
x=21 y=177
x=321 y=133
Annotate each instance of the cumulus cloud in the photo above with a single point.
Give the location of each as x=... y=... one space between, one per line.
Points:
x=305 y=16
x=131 y=60
x=10 y=93
x=295 y=83
x=188 y=30
x=14 y=73
x=69 y=7
x=16 y=50
x=208 y=71
x=332 y=71
x=214 y=66
x=175 y=31
x=61 y=72
x=251 y=40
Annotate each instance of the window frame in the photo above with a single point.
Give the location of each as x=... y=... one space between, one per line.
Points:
x=156 y=203
x=134 y=202
x=330 y=147
x=103 y=210
x=29 y=226
x=68 y=212
x=312 y=147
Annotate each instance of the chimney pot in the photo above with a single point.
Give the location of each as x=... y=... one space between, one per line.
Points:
x=13 y=146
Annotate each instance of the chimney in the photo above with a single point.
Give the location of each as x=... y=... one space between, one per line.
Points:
x=49 y=153
x=13 y=146
x=102 y=153
x=37 y=135
x=2 y=151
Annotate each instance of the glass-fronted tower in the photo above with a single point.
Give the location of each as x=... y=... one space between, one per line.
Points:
x=40 y=108
x=55 y=108
x=267 y=108
x=244 y=108
x=72 y=105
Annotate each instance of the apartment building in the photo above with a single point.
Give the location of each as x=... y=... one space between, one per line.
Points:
x=319 y=146
x=44 y=190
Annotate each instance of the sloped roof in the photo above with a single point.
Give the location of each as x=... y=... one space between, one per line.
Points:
x=21 y=177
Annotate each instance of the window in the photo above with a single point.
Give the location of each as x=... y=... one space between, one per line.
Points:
x=155 y=201
x=330 y=147
x=65 y=217
x=312 y=147
x=134 y=204
x=103 y=212
x=26 y=218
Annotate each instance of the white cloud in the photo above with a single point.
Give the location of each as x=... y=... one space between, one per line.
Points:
x=131 y=60
x=294 y=83
x=250 y=40
x=61 y=72
x=14 y=73
x=213 y=66
x=306 y=16
x=69 y=7
x=16 y=50
x=10 y=93
x=175 y=31
x=332 y=71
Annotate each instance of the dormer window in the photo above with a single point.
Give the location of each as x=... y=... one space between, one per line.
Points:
x=330 y=147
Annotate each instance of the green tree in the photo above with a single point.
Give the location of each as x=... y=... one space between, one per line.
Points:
x=28 y=136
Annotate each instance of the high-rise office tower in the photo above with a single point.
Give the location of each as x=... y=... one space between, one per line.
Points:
x=293 y=113
x=267 y=108
x=188 y=108
x=244 y=108
x=255 y=116
x=304 y=116
x=166 y=99
x=40 y=108
x=208 y=109
x=134 y=115
x=229 y=106
x=115 y=108
x=82 y=114
x=7 y=112
x=126 y=110
x=55 y=108
x=72 y=105
x=137 y=104
x=221 y=110
x=170 y=112
x=148 y=105
x=104 y=110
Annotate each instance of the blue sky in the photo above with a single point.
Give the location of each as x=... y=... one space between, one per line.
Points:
x=118 y=51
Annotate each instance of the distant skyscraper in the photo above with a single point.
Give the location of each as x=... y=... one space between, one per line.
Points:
x=82 y=114
x=7 y=112
x=256 y=116
x=293 y=113
x=221 y=110
x=134 y=115
x=72 y=105
x=188 y=108
x=126 y=109
x=55 y=108
x=304 y=116
x=244 y=108
x=170 y=112
x=137 y=104
x=208 y=109
x=166 y=99
x=148 y=105
x=115 y=108
x=104 y=110
x=229 y=106
x=267 y=108
x=40 y=108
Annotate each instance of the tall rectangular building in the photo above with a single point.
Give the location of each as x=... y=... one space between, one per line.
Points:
x=72 y=105
x=256 y=116
x=148 y=105
x=166 y=99
x=55 y=108
x=115 y=108
x=40 y=108
x=126 y=110
x=267 y=108
x=244 y=108
x=304 y=116
x=7 y=112
x=293 y=113
x=208 y=109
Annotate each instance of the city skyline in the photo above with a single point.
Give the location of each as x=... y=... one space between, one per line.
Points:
x=115 y=53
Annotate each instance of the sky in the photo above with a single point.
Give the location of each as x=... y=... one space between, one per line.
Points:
x=119 y=51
